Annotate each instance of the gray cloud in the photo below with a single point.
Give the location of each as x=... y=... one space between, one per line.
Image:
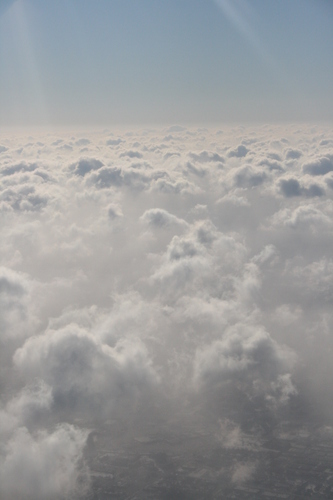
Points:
x=293 y=154
x=247 y=177
x=107 y=177
x=250 y=356
x=206 y=157
x=84 y=372
x=45 y=465
x=114 y=142
x=239 y=152
x=189 y=290
x=291 y=187
x=19 y=167
x=86 y=165
x=157 y=217
x=131 y=154
x=322 y=166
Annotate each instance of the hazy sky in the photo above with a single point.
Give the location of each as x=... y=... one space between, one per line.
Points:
x=100 y=62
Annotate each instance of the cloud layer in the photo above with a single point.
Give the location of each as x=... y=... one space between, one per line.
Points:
x=149 y=274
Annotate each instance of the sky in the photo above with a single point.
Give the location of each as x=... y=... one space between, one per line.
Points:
x=79 y=62
x=166 y=272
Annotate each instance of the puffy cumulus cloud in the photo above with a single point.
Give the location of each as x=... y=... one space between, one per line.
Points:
x=293 y=154
x=193 y=260
x=320 y=166
x=315 y=277
x=206 y=157
x=159 y=218
x=23 y=187
x=249 y=356
x=31 y=404
x=184 y=261
x=155 y=280
x=84 y=372
x=18 y=167
x=306 y=217
x=292 y=187
x=192 y=169
x=12 y=287
x=86 y=165
x=173 y=186
x=106 y=177
x=314 y=190
x=248 y=177
x=238 y=152
x=114 y=142
x=82 y=142
x=44 y=465
x=131 y=154
x=271 y=164
x=233 y=200
x=17 y=317
x=134 y=176
x=23 y=198
x=114 y=211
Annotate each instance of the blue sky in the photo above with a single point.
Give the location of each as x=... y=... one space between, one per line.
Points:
x=84 y=62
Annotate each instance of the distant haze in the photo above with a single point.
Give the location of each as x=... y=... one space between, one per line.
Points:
x=75 y=62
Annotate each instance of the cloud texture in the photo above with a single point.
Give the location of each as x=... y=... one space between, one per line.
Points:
x=155 y=274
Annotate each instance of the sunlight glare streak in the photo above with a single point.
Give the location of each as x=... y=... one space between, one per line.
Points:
x=235 y=11
x=5 y=5
x=28 y=61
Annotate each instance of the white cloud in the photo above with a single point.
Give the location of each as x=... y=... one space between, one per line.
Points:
x=85 y=373
x=249 y=355
x=45 y=465
x=303 y=217
x=31 y=404
x=86 y=165
x=321 y=166
x=239 y=152
x=146 y=275
x=159 y=218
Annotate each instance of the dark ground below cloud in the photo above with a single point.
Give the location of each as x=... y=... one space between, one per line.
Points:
x=290 y=458
x=159 y=468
